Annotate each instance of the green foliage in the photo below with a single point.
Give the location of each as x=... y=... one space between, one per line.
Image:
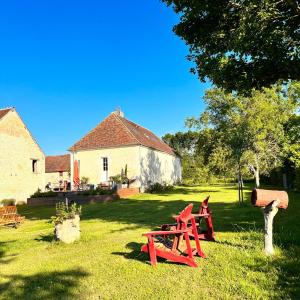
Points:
x=156 y=188
x=64 y=212
x=97 y=191
x=39 y=194
x=182 y=142
x=119 y=178
x=240 y=45
x=250 y=131
x=8 y=202
x=84 y=180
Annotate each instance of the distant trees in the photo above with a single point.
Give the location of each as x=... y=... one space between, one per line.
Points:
x=252 y=133
x=241 y=45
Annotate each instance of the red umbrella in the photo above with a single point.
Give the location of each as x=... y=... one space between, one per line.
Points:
x=76 y=175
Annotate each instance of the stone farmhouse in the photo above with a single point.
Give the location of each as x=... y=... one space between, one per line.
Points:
x=22 y=161
x=57 y=173
x=117 y=143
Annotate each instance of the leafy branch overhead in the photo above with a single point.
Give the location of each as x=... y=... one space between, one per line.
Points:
x=241 y=45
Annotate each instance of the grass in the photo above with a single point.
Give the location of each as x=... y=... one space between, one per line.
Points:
x=107 y=264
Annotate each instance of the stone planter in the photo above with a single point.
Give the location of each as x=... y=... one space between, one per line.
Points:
x=68 y=231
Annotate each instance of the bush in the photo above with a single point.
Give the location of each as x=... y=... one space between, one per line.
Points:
x=64 y=212
x=8 y=202
x=39 y=194
x=97 y=191
x=159 y=188
x=84 y=180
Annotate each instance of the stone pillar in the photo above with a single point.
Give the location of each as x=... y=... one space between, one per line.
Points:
x=269 y=213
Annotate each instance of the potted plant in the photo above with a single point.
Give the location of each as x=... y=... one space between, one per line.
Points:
x=67 y=222
x=117 y=181
x=84 y=182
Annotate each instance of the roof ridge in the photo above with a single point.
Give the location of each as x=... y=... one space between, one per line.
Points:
x=120 y=120
x=8 y=108
x=58 y=155
x=89 y=132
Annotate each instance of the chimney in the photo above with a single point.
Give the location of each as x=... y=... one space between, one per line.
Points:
x=119 y=112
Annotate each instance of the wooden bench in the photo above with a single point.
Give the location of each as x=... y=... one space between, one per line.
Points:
x=10 y=216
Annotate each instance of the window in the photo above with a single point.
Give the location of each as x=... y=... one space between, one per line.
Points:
x=34 y=166
x=105 y=164
x=61 y=174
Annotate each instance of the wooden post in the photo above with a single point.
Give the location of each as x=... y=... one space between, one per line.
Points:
x=269 y=213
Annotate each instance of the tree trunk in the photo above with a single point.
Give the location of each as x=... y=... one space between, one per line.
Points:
x=256 y=173
x=257 y=181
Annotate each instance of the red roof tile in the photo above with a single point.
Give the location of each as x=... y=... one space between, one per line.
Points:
x=116 y=131
x=4 y=111
x=58 y=163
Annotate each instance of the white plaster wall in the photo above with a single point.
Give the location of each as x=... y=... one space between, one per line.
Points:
x=17 y=149
x=91 y=164
x=159 y=167
x=144 y=164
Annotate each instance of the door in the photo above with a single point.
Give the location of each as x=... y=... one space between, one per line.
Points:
x=104 y=169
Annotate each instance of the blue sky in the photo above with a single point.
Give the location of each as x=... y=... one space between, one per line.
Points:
x=65 y=65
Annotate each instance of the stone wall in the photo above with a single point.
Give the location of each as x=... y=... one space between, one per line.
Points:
x=17 y=151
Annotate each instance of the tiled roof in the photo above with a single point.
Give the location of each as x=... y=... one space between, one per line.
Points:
x=58 y=163
x=116 y=131
x=4 y=111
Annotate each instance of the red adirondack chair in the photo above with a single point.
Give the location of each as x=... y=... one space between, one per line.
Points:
x=207 y=234
x=204 y=213
x=160 y=245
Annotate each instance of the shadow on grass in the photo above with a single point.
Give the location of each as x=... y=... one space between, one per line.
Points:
x=42 y=286
x=135 y=253
x=288 y=266
x=45 y=238
x=5 y=259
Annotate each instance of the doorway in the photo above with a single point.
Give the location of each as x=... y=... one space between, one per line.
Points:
x=104 y=169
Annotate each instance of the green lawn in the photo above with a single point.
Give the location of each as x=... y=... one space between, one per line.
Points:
x=107 y=264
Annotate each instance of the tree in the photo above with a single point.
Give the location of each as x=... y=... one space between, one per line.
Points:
x=240 y=45
x=251 y=127
x=221 y=163
x=182 y=142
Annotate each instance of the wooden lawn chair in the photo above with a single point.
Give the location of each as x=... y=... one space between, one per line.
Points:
x=207 y=234
x=205 y=213
x=179 y=248
x=10 y=216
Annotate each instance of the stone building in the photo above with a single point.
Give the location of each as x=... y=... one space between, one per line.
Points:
x=57 y=174
x=117 y=144
x=22 y=162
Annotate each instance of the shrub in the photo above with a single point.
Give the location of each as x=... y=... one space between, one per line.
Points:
x=97 y=191
x=84 y=180
x=39 y=194
x=119 y=178
x=8 y=202
x=64 y=212
x=159 y=188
